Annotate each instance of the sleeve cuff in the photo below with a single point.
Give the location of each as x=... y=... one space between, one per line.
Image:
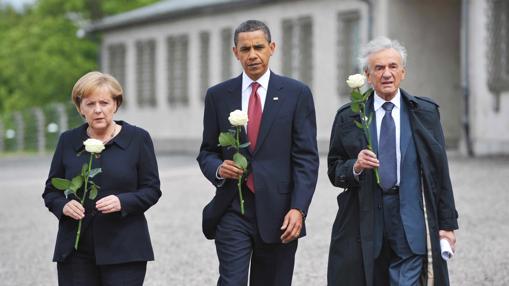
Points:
x=219 y=180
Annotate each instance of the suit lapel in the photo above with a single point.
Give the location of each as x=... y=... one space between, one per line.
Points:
x=372 y=127
x=405 y=132
x=273 y=102
x=234 y=98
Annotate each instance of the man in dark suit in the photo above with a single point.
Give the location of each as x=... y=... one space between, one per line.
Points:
x=388 y=233
x=283 y=162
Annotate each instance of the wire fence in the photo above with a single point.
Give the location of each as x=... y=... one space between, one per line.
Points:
x=36 y=130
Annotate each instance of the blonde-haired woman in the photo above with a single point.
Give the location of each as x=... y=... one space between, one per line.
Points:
x=114 y=244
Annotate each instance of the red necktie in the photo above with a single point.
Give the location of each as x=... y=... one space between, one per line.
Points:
x=254 y=113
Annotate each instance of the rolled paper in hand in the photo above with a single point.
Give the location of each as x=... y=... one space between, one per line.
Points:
x=445 y=249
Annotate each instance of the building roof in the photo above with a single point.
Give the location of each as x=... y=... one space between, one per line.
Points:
x=165 y=10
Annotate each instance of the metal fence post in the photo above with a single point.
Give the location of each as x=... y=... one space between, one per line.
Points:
x=20 y=131
x=41 y=134
x=2 y=136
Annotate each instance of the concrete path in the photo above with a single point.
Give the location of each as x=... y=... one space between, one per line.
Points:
x=185 y=257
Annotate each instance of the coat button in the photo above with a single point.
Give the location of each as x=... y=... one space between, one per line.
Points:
x=379 y=206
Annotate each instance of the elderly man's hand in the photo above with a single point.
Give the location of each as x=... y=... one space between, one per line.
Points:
x=450 y=236
x=366 y=159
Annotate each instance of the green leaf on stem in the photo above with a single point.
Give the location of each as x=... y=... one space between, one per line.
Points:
x=370 y=118
x=93 y=192
x=76 y=183
x=358 y=124
x=94 y=172
x=356 y=95
x=240 y=160
x=355 y=107
x=60 y=184
x=84 y=169
x=366 y=94
x=244 y=145
x=226 y=139
x=68 y=192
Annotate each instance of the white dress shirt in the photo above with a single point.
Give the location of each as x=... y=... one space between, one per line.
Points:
x=262 y=90
x=380 y=113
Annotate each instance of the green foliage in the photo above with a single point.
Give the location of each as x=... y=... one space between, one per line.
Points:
x=40 y=55
x=60 y=184
x=93 y=192
x=40 y=59
x=94 y=172
x=240 y=160
x=226 y=139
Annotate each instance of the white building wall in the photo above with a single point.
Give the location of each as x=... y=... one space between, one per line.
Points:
x=490 y=129
x=179 y=128
x=430 y=30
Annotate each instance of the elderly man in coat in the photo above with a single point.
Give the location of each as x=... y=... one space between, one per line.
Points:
x=388 y=233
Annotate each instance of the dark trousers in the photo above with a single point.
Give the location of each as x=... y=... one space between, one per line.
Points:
x=396 y=264
x=80 y=268
x=238 y=244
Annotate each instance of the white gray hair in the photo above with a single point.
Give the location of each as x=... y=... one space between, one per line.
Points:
x=378 y=44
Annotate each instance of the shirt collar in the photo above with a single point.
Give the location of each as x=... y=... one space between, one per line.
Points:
x=263 y=80
x=396 y=100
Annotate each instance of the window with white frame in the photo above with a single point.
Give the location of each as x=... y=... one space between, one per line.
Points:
x=145 y=73
x=204 y=62
x=348 y=46
x=116 y=65
x=498 y=49
x=298 y=49
x=226 y=53
x=178 y=67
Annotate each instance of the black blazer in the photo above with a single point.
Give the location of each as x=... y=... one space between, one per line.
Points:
x=129 y=171
x=284 y=163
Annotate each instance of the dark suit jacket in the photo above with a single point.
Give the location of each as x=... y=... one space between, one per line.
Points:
x=129 y=171
x=356 y=232
x=284 y=163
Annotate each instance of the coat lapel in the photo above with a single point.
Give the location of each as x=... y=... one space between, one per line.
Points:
x=372 y=127
x=273 y=102
x=405 y=132
x=234 y=98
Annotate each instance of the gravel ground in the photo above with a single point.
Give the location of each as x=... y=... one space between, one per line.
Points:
x=185 y=257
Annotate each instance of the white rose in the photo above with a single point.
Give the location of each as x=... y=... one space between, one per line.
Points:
x=238 y=118
x=94 y=146
x=356 y=80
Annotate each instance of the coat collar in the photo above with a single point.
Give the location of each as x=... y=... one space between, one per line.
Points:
x=123 y=138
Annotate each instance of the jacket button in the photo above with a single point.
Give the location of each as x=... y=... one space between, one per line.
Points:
x=379 y=206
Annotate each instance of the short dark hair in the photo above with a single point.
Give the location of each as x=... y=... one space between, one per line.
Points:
x=251 y=26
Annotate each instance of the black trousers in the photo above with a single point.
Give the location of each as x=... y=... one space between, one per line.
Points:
x=80 y=270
